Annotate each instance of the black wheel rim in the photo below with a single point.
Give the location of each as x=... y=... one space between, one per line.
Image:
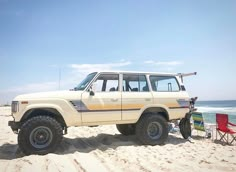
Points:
x=41 y=137
x=154 y=130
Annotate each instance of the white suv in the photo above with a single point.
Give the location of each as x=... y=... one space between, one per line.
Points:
x=137 y=102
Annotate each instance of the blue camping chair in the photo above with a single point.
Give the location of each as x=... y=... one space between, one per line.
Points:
x=198 y=124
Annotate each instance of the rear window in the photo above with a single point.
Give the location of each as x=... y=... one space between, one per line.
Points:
x=164 y=83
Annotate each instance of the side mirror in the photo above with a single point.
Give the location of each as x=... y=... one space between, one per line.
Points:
x=92 y=89
x=91 y=93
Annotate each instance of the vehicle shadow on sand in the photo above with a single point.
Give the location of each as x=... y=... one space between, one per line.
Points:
x=85 y=145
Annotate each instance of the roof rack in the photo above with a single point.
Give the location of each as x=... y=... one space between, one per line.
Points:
x=181 y=75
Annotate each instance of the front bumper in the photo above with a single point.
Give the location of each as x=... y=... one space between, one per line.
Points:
x=14 y=126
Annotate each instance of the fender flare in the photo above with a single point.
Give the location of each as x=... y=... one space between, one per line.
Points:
x=43 y=106
x=155 y=108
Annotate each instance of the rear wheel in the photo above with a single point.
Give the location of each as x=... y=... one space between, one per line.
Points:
x=126 y=129
x=152 y=129
x=40 y=135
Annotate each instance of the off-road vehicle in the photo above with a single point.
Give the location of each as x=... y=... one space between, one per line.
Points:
x=139 y=103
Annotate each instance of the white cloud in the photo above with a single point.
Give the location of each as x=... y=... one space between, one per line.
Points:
x=33 y=87
x=54 y=66
x=46 y=86
x=78 y=72
x=8 y=94
x=164 y=66
x=164 y=63
x=149 y=62
x=86 y=68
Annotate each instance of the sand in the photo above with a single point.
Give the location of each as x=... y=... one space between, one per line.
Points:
x=102 y=148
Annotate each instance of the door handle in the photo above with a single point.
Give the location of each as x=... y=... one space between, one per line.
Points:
x=114 y=100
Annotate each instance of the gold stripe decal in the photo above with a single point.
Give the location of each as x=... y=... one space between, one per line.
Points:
x=114 y=107
x=81 y=107
x=104 y=107
x=132 y=106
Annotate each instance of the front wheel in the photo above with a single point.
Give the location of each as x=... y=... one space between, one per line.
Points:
x=152 y=129
x=40 y=135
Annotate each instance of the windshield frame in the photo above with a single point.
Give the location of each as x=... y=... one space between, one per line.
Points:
x=85 y=82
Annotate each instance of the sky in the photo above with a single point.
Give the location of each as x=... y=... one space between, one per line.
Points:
x=44 y=42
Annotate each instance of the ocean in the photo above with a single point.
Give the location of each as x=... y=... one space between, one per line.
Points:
x=210 y=108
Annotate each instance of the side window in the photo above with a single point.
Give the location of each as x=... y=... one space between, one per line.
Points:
x=107 y=83
x=135 y=83
x=164 y=83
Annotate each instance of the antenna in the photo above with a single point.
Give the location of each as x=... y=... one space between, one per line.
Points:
x=59 y=79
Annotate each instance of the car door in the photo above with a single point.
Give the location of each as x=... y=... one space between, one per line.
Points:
x=135 y=95
x=103 y=103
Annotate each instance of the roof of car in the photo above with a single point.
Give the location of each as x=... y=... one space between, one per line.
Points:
x=140 y=72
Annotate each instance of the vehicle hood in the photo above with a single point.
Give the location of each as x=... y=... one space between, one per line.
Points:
x=50 y=95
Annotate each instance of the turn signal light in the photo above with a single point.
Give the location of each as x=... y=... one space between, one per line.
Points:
x=24 y=102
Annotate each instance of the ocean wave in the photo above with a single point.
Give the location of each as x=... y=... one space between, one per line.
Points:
x=217 y=109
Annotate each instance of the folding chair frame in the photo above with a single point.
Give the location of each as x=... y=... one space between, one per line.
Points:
x=222 y=137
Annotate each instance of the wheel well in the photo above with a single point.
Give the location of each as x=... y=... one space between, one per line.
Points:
x=44 y=112
x=157 y=110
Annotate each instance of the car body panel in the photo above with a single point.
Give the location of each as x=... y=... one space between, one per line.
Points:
x=80 y=108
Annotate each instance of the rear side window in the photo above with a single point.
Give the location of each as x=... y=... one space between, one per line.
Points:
x=135 y=83
x=164 y=83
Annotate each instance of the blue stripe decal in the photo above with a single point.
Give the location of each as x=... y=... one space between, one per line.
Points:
x=79 y=105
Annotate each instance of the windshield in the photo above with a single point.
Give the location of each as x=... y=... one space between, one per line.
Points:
x=85 y=82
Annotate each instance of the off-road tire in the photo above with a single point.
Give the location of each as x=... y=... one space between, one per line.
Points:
x=185 y=128
x=126 y=129
x=40 y=135
x=152 y=129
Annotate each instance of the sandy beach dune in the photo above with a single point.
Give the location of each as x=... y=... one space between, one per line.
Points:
x=104 y=149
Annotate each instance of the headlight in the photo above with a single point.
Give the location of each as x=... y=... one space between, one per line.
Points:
x=14 y=106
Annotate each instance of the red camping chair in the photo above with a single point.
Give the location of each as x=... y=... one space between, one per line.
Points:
x=222 y=128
